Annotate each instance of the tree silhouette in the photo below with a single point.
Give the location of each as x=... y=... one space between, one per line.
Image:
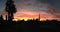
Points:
x=10 y=9
x=1 y=18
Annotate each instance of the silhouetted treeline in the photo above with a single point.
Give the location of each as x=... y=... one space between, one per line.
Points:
x=29 y=26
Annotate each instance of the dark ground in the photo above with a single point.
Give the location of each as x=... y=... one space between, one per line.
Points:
x=29 y=26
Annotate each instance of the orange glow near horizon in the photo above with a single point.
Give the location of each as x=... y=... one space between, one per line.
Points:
x=29 y=14
x=25 y=19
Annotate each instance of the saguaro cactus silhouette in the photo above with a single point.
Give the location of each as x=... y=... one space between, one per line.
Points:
x=10 y=9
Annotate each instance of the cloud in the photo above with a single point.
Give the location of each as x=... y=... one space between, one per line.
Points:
x=41 y=6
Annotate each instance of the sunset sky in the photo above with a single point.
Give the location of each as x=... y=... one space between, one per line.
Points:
x=29 y=9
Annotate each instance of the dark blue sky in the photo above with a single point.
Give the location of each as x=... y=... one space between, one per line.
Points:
x=55 y=3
